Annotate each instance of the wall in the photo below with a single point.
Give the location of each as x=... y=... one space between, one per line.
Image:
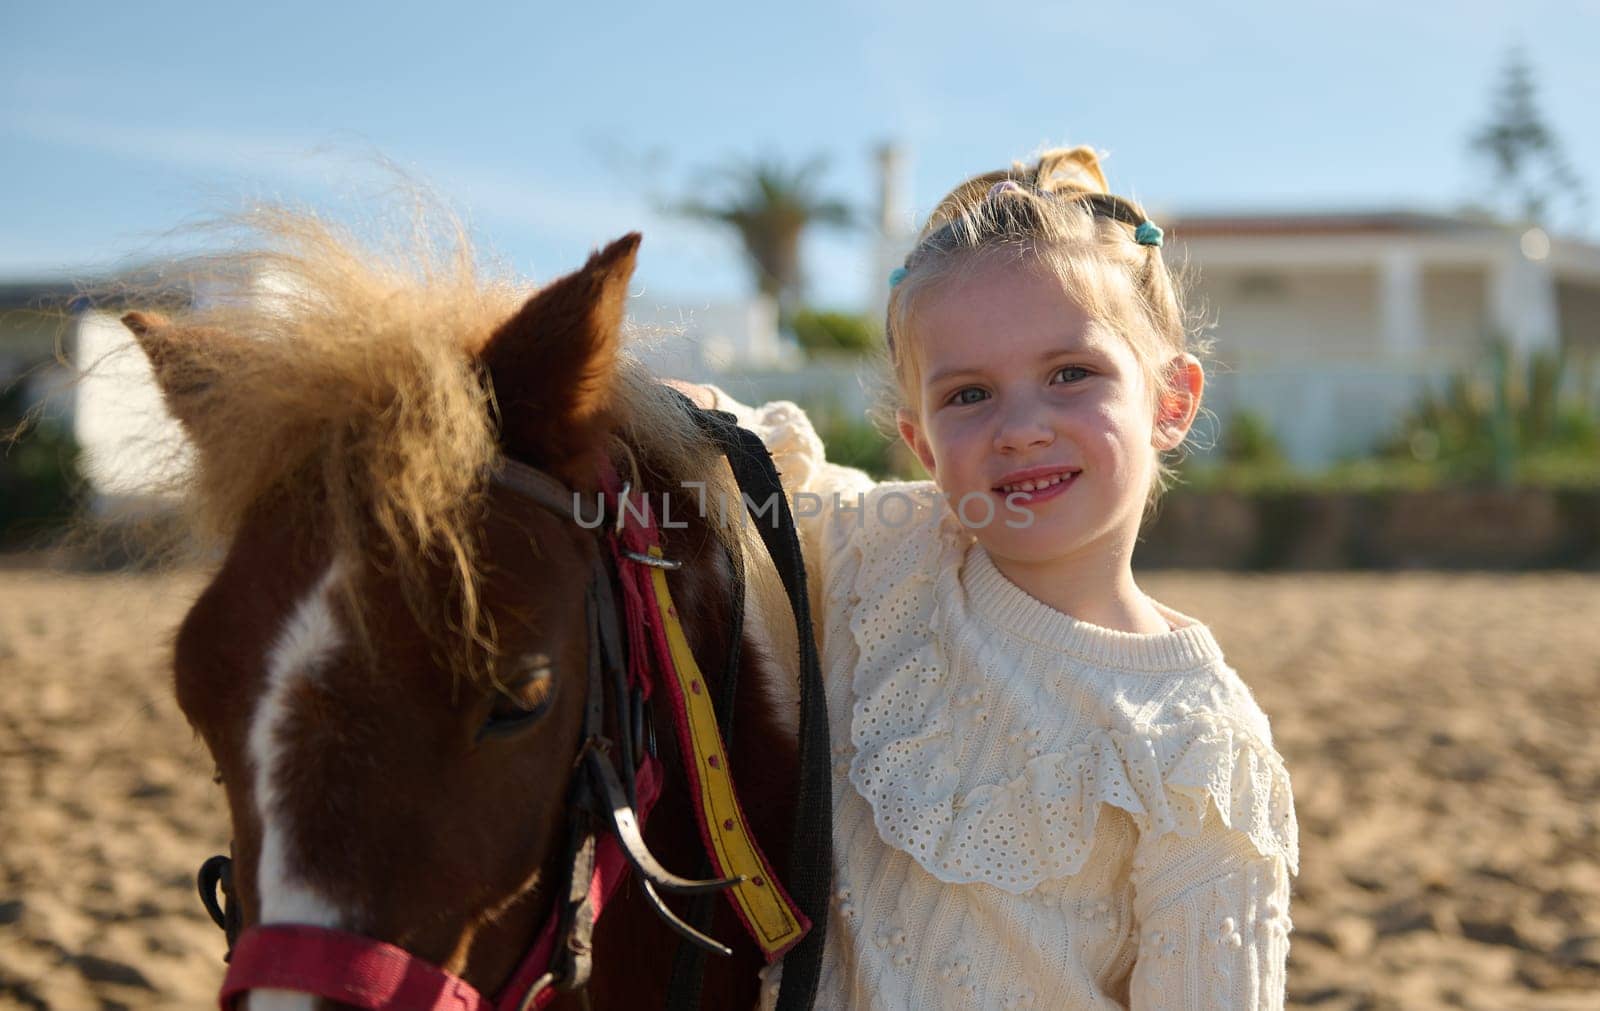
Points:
x=1455 y=307
x=1269 y=314
x=1579 y=306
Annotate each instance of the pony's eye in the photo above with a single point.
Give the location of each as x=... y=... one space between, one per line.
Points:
x=525 y=697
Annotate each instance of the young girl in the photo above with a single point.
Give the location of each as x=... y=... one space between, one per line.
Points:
x=1050 y=790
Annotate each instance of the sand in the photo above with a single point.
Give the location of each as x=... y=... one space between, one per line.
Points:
x=1439 y=729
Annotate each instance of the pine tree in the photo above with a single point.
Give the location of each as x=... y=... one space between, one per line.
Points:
x=1530 y=169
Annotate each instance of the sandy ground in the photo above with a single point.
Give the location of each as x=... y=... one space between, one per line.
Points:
x=1440 y=731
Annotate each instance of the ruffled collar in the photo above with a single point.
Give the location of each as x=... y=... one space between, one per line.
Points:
x=989 y=729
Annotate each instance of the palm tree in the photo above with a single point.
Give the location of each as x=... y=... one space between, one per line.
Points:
x=770 y=205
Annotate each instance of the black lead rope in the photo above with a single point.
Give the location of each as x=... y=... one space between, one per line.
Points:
x=810 y=871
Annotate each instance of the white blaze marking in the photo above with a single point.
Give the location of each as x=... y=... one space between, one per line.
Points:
x=307 y=639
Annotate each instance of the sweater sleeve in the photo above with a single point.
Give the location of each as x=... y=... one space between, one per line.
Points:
x=816 y=488
x=1213 y=923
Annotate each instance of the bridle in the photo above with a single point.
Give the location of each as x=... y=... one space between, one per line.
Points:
x=618 y=778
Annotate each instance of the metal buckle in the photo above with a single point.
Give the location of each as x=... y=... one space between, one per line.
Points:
x=652 y=561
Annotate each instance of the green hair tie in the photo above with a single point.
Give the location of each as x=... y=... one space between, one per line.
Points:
x=1147 y=234
x=896 y=275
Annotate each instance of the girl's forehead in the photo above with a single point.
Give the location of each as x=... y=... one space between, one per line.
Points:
x=994 y=315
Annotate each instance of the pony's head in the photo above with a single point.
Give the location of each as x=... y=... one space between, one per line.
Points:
x=388 y=667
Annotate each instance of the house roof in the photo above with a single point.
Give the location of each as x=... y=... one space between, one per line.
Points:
x=1318 y=223
x=1570 y=256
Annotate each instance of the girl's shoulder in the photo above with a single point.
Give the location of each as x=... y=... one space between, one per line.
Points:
x=892 y=511
x=896 y=535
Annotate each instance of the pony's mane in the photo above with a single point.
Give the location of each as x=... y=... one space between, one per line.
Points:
x=336 y=377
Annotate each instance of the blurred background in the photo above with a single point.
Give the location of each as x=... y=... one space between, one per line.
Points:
x=1386 y=215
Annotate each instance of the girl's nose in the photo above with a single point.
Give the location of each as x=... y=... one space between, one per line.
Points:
x=1022 y=429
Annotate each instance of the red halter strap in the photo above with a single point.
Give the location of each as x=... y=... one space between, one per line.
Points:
x=344 y=967
x=367 y=973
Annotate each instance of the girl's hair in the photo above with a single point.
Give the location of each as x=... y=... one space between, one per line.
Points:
x=1057 y=216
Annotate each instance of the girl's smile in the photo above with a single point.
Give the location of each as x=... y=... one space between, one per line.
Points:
x=1035 y=484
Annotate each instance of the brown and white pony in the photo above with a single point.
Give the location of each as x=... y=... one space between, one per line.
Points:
x=388 y=666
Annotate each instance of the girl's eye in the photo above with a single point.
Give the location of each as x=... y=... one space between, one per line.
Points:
x=1070 y=373
x=967 y=395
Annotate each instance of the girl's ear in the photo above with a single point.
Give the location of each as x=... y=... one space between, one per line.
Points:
x=911 y=433
x=1178 y=401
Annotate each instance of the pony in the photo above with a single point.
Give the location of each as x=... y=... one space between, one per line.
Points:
x=387 y=666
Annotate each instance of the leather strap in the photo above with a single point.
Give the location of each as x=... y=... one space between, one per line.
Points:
x=342 y=967
x=810 y=872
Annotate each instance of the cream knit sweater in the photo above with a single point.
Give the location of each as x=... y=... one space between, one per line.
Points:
x=1029 y=811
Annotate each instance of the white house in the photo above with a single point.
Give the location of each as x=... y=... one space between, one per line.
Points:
x=1329 y=325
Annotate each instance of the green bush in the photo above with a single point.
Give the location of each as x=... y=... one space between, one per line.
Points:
x=825 y=333
x=39 y=478
x=856 y=442
x=1506 y=422
x=1247 y=440
x=1509 y=422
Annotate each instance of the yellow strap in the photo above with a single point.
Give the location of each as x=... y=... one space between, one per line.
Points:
x=773 y=921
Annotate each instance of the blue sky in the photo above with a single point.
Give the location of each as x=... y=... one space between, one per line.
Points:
x=556 y=127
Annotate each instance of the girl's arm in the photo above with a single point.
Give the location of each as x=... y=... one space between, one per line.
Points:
x=816 y=488
x=1213 y=916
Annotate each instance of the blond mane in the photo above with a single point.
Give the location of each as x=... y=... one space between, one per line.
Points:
x=335 y=376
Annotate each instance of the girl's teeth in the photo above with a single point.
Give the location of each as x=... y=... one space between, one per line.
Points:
x=1032 y=485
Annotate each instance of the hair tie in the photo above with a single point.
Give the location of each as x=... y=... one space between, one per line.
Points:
x=1147 y=234
x=896 y=275
x=1004 y=186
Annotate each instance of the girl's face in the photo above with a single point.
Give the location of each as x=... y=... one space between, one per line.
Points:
x=1036 y=422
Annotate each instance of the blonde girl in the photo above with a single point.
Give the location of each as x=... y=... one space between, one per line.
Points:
x=1050 y=790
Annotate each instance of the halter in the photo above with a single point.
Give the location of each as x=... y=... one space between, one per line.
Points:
x=623 y=675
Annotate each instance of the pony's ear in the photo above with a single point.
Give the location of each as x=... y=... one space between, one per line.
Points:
x=552 y=364
x=188 y=362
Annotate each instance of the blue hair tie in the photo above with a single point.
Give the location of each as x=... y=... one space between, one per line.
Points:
x=1147 y=234
x=896 y=275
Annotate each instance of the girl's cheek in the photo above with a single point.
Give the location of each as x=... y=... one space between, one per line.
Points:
x=959 y=440
x=1106 y=419
x=944 y=433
